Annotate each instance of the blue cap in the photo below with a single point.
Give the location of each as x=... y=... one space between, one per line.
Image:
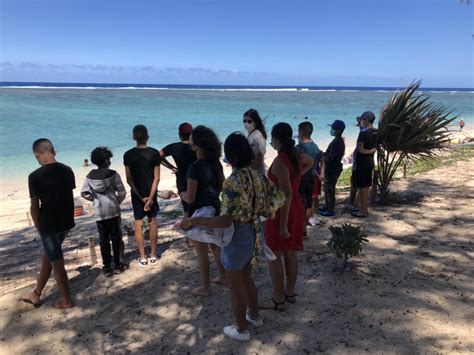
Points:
x=338 y=125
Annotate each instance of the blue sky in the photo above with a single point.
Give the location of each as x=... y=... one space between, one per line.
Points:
x=327 y=42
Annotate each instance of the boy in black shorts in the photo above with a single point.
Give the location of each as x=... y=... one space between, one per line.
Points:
x=183 y=156
x=332 y=167
x=142 y=167
x=52 y=211
x=104 y=187
x=364 y=162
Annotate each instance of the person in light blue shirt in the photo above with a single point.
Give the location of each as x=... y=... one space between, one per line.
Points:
x=307 y=185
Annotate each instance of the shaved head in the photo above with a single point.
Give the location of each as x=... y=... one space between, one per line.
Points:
x=42 y=146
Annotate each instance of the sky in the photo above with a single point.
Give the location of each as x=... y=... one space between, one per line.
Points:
x=239 y=42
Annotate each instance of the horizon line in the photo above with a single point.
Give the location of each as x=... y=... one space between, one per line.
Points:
x=298 y=86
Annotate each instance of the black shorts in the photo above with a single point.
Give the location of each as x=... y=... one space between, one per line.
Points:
x=362 y=177
x=138 y=208
x=306 y=190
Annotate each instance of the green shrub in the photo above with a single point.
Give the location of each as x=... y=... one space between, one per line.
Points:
x=347 y=240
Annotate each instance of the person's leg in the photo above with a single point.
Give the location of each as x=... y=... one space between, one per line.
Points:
x=364 y=201
x=291 y=270
x=237 y=297
x=326 y=194
x=60 y=275
x=250 y=291
x=34 y=296
x=103 y=228
x=139 y=238
x=117 y=242
x=276 y=273
x=221 y=279
x=330 y=193
x=153 y=235
x=353 y=193
x=205 y=288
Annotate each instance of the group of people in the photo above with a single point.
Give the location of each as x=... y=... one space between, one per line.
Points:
x=267 y=208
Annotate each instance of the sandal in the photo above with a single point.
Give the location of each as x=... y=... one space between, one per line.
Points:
x=277 y=306
x=36 y=305
x=291 y=298
x=358 y=215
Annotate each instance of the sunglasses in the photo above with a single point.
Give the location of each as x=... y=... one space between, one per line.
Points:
x=247 y=121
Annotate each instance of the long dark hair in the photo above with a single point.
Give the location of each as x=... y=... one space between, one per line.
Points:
x=254 y=116
x=206 y=139
x=283 y=133
x=237 y=150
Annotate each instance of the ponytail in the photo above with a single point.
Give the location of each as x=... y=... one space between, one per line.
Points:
x=282 y=132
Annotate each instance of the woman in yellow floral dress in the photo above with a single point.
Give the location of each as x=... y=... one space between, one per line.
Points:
x=246 y=195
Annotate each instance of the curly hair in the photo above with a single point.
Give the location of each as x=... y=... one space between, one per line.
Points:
x=206 y=139
x=100 y=155
x=237 y=150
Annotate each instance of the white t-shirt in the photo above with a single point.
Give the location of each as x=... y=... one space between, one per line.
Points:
x=257 y=142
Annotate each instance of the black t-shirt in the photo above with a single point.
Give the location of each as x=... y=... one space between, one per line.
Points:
x=53 y=185
x=209 y=175
x=368 y=138
x=333 y=156
x=142 y=163
x=183 y=156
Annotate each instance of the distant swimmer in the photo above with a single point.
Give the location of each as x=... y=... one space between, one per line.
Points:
x=461 y=125
x=86 y=163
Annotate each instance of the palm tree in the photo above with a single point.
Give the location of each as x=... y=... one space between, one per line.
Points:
x=410 y=128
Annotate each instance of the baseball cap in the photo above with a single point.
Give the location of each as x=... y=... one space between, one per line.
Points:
x=367 y=115
x=338 y=125
x=185 y=128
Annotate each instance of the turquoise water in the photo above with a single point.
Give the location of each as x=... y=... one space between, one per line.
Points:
x=77 y=120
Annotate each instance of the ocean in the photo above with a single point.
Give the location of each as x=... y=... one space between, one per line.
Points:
x=79 y=117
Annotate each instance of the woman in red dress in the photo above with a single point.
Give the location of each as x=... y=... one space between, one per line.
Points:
x=284 y=234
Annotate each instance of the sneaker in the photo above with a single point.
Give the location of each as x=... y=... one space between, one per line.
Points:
x=232 y=332
x=153 y=260
x=255 y=322
x=322 y=209
x=313 y=220
x=142 y=262
x=327 y=214
x=107 y=271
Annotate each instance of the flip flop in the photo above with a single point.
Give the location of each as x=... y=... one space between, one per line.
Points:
x=291 y=298
x=26 y=300
x=358 y=215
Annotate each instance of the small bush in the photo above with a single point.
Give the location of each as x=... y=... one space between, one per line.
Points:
x=347 y=241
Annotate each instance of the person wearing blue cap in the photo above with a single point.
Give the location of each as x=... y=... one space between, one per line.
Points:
x=332 y=167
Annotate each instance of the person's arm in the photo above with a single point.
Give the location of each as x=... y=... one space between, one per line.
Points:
x=282 y=174
x=166 y=163
x=86 y=192
x=306 y=163
x=35 y=210
x=211 y=222
x=189 y=195
x=130 y=182
x=323 y=168
x=362 y=150
x=154 y=188
x=119 y=189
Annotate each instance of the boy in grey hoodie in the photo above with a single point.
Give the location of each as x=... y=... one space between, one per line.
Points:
x=104 y=187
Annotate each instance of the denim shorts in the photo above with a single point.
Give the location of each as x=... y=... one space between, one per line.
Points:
x=52 y=244
x=138 y=208
x=239 y=252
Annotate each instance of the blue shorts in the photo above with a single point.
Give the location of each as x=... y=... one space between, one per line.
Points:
x=52 y=244
x=239 y=252
x=138 y=208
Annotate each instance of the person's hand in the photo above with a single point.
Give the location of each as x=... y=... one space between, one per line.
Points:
x=174 y=171
x=148 y=205
x=182 y=194
x=284 y=233
x=322 y=179
x=374 y=150
x=186 y=223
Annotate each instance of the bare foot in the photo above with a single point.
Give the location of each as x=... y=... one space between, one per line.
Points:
x=62 y=304
x=201 y=291
x=219 y=280
x=31 y=298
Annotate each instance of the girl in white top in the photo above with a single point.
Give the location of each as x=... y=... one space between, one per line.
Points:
x=257 y=136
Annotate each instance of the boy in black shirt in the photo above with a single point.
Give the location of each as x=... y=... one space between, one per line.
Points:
x=332 y=167
x=364 y=162
x=183 y=156
x=52 y=211
x=142 y=167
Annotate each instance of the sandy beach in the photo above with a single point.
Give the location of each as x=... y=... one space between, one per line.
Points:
x=409 y=292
